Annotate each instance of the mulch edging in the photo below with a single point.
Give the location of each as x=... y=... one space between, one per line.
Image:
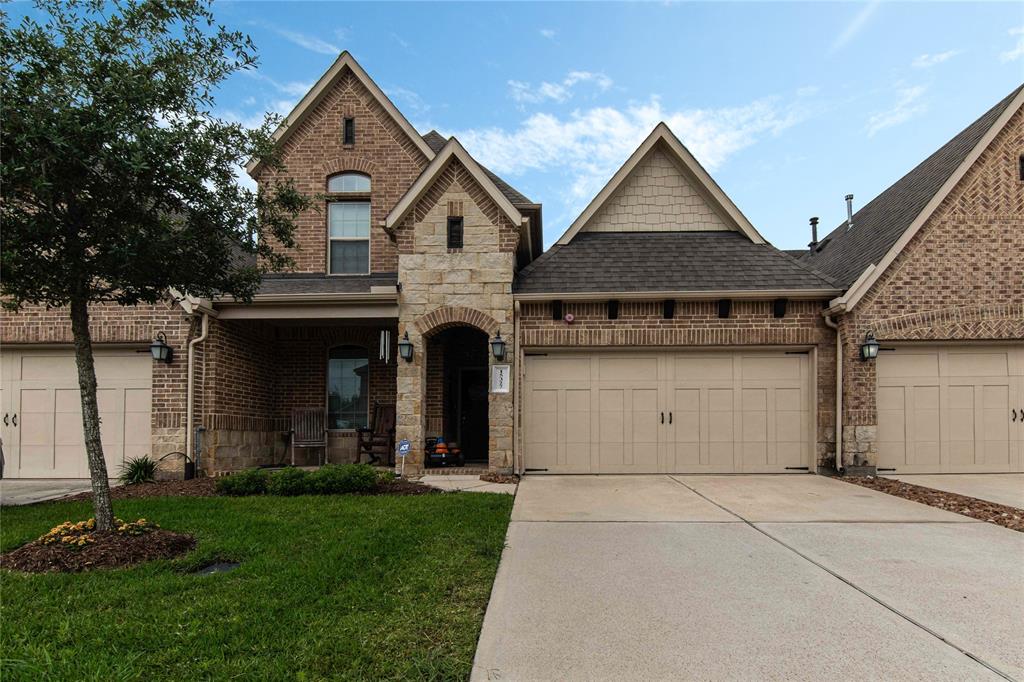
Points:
x=109 y=549
x=990 y=512
x=196 y=487
x=491 y=477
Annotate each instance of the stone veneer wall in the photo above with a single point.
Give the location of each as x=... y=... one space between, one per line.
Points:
x=696 y=324
x=113 y=324
x=960 y=278
x=444 y=287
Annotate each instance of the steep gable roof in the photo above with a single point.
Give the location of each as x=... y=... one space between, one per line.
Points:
x=453 y=149
x=663 y=138
x=879 y=226
x=320 y=90
x=437 y=141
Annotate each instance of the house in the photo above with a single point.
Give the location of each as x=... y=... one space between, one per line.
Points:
x=661 y=332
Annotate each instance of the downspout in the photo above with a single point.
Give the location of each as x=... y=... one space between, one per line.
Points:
x=839 y=393
x=516 y=451
x=190 y=391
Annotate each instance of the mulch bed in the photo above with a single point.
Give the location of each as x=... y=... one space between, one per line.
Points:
x=991 y=512
x=196 y=487
x=491 y=477
x=402 y=487
x=110 y=550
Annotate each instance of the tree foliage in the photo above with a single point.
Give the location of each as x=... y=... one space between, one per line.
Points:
x=118 y=181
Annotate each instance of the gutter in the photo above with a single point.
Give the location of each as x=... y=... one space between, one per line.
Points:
x=190 y=390
x=839 y=391
x=390 y=294
x=685 y=295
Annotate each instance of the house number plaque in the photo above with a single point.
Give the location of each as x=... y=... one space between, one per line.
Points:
x=501 y=378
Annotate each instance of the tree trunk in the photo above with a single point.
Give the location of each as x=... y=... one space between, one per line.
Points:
x=104 y=511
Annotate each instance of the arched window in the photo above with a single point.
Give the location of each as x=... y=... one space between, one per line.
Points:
x=348 y=224
x=348 y=384
x=348 y=182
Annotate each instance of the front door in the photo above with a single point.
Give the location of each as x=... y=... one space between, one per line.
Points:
x=472 y=413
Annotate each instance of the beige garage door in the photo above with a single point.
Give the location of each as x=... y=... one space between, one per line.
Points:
x=42 y=411
x=662 y=412
x=951 y=409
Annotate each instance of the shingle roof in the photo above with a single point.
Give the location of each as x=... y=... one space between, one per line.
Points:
x=665 y=261
x=319 y=283
x=881 y=222
x=437 y=141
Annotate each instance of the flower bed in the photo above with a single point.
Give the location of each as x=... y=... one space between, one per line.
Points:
x=73 y=547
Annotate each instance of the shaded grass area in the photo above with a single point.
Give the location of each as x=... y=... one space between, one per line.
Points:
x=354 y=587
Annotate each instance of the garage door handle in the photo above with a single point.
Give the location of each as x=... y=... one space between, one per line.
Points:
x=669 y=417
x=6 y=423
x=662 y=417
x=1014 y=415
x=14 y=420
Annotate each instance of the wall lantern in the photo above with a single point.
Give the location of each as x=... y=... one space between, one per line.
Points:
x=498 y=347
x=869 y=349
x=160 y=350
x=405 y=348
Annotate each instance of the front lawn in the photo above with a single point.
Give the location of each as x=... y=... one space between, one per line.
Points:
x=329 y=587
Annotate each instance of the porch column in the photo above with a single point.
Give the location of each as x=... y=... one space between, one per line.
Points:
x=410 y=399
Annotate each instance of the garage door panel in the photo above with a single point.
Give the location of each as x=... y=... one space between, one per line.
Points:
x=959 y=421
x=49 y=442
x=673 y=412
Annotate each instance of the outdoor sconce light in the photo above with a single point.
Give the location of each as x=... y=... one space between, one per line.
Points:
x=160 y=350
x=498 y=347
x=869 y=349
x=405 y=348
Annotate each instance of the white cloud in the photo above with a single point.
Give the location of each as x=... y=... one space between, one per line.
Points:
x=855 y=26
x=524 y=92
x=311 y=43
x=926 y=61
x=291 y=88
x=1017 y=51
x=407 y=99
x=907 y=106
x=589 y=145
x=548 y=33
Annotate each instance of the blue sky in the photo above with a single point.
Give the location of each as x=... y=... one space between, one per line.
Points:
x=789 y=105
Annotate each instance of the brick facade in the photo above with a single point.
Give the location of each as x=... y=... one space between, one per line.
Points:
x=960 y=278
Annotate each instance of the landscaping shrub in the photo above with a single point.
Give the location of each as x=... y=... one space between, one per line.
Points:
x=335 y=479
x=137 y=470
x=250 y=482
x=289 y=481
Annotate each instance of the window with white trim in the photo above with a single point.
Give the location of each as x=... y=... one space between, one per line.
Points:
x=348 y=224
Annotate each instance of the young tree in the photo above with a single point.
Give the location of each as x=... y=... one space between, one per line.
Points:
x=118 y=183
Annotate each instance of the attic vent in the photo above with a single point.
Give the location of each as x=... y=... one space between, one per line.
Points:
x=556 y=310
x=455 y=232
x=668 y=309
x=724 y=307
x=1022 y=167
x=348 y=131
x=779 y=307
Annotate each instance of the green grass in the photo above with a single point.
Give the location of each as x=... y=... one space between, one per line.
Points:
x=329 y=587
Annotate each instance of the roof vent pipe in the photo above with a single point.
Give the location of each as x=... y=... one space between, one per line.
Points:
x=849 y=212
x=814 y=233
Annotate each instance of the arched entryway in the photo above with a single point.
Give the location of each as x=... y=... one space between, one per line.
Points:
x=456 y=395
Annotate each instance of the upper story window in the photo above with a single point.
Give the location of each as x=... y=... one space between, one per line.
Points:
x=348 y=182
x=348 y=225
x=348 y=131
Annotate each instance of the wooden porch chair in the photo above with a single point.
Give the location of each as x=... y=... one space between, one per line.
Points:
x=309 y=430
x=380 y=437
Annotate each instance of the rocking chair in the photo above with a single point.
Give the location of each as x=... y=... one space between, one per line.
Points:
x=380 y=437
x=309 y=430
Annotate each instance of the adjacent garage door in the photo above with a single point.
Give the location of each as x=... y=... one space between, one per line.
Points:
x=951 y=409
x=42 y=425
x=663 y=412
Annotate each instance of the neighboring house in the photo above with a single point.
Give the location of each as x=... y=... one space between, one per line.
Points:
x=661 y=333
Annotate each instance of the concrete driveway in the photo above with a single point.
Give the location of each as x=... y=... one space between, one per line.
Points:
x=1005 y=489
x=748 y=577
x=18 y=491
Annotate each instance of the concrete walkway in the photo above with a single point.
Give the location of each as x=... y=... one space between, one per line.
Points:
x=1005 y=489
x=748 y=577
x=467 y=483
x=19 y=491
